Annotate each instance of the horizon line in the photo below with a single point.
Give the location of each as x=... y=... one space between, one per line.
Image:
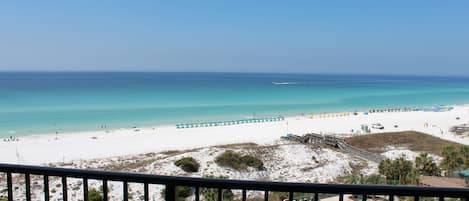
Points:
x=234 y=72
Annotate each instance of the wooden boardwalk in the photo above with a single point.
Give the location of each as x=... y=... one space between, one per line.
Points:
x=331 y=140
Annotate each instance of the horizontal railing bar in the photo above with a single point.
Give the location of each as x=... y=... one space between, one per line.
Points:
x=237 y=184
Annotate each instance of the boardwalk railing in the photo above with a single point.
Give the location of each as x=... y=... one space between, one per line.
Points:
x=171 y=182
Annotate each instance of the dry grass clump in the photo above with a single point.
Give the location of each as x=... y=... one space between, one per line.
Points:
x=237 y=161
x=412 y=140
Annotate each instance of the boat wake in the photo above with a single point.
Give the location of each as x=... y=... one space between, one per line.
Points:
x=285 y=83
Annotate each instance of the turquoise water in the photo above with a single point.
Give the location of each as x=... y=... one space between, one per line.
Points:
x=36 y=103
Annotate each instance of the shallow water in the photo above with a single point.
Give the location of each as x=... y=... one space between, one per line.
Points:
x=35 y=103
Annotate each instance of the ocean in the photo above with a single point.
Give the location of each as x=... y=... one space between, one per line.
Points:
x=44 y=103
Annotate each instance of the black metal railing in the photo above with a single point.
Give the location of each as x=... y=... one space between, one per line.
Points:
x=171 y=182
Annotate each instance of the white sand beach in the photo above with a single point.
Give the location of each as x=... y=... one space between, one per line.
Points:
x=41 y=149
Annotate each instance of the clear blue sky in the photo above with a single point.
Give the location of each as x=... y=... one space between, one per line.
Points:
x=376 y=37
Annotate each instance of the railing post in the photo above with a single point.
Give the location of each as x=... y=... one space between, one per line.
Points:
x=85 y=189
x=170 y=192
x=27 y=180
x=9 y=186
x=105 y=197
x=146 y=196
x=244 y=195
x=64 y=188
x=220 y=194
x=46 y=187
x=126 y=191
x=197 y=193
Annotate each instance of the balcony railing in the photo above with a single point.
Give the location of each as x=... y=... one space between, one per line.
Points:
x=170 y=183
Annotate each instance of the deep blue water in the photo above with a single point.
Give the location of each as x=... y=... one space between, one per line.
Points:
x=35 y=103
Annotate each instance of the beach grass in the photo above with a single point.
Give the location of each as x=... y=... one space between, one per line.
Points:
x=412 y=140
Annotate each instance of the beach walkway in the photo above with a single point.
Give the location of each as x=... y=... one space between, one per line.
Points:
x=331 y=140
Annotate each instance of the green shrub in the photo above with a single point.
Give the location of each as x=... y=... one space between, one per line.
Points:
x=230 y=159
x=94 y=195
x=182 y=192
x=237 y=161
x=188 y=164
x=398 y=171
x=211 y=194
x=252 y=161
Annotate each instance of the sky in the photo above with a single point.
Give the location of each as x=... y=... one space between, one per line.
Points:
x=427 y=37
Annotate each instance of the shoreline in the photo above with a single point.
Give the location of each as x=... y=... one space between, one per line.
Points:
x=41 y=149
x=156 y=126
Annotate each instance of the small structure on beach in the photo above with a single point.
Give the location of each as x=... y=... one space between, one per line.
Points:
x=230 y=122
x=462 y=129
